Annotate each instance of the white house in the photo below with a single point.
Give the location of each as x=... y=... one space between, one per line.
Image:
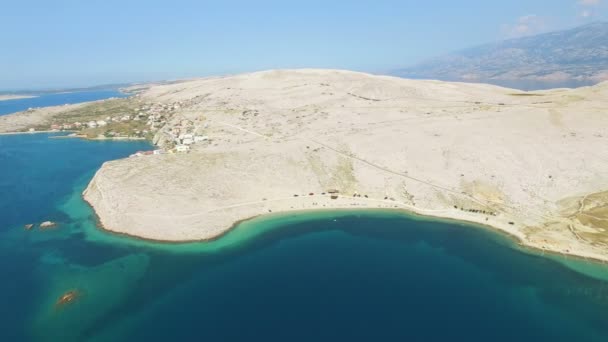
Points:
x=92 y=124
x=187 y=141
x=101 y=123
x=182 y=148
x=200 y=138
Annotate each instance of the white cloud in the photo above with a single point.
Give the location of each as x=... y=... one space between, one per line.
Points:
x=588 y=8
x=589 y=2
x=532 y=24
x=526 y=25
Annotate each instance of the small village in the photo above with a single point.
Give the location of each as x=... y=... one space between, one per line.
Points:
x=185 y=134
x=144 y=122
x=182 y=136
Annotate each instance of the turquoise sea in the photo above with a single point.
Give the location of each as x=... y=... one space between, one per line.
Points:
x=57 y=99
x=320 y=276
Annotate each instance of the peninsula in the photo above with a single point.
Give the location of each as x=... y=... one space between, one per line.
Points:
x=15 y=97
x=531 y=164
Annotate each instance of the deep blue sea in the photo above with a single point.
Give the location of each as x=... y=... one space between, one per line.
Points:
x=57 y=99
x=320 y=276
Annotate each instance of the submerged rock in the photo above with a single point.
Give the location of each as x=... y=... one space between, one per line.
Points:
x=47 y=224
x=67 y=298
x=76 y=297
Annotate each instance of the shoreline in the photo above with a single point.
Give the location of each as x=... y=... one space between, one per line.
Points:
x=84 y=137
x=409 y=214
x=74 y=136
x=439 y=150
x=34 y=132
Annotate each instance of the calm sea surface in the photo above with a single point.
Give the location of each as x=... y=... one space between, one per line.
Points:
x=323 y=276
x=56 y=99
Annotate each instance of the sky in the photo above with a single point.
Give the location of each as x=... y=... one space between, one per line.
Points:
x=68 y=43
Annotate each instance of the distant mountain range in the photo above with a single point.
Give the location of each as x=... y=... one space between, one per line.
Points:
x=571 y=58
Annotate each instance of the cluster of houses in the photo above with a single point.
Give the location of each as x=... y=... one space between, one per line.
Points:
x=184 y=141
x=101 y=123
x=154 y=121
x=93 y=123
x=67 y=126
x=159 y=108
x=155 y=113
x=109 y=119
x=184 y=136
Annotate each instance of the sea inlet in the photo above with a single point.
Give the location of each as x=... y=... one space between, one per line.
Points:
x=318 y=276
x=57 y=99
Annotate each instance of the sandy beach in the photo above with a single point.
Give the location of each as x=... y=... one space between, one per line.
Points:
x=530 y=165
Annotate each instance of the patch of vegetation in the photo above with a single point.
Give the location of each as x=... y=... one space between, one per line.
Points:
x=594 y=210
x=114 y=118
x=119 y=129
x=316 y=164
x=98 y=111
x=593 y=213
x=343 y=174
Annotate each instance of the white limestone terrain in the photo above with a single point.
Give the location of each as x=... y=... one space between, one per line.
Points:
x=534 y=165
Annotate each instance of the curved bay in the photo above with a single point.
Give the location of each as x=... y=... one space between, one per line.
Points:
x=315 y=276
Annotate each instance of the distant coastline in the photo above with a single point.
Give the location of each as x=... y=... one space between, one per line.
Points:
x=15 y=97
x=10 y=104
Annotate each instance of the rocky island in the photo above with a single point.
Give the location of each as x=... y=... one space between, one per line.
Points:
x=532 y=164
